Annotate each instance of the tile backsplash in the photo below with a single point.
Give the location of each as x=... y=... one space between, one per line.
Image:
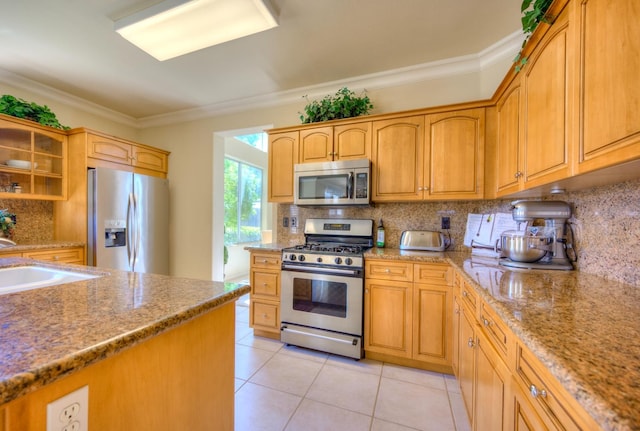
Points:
x=34 y=220
x=605 y=221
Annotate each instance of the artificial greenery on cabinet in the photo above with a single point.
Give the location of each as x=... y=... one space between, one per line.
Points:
x=344 y=104
x=533 y=13
x=20 y=108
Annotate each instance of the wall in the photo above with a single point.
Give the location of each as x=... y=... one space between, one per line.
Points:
x=605 y=221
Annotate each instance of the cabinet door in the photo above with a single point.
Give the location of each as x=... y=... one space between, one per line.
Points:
x=149 y=158
x=388 y=317
x=264 y=315
x=432 y=323
x=523 y=416
x=100 y=147
x=454 y=155
x=397 y=154
x=352 y=141
x=455 y=329
x=545 y=110
x=491 y=388
x=283 y=154
x=466 y=365
x=508 y=157
x=316 y=145
x=609 y=94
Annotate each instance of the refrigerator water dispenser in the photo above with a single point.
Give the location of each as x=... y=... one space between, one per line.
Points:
x=115 y=237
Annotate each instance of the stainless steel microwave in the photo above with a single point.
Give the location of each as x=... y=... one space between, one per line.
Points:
x=344 y=182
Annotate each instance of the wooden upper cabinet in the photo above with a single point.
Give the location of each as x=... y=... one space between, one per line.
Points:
x=316 y=145
x=397 y=152
x=352 y=141
x=546 y=83
x=454 y=155
x=283 y=154
x=609 y=94
x=508 y=170
x=343 y=142
x=144 y=159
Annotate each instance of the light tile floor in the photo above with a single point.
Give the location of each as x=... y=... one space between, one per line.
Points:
x=281 y=387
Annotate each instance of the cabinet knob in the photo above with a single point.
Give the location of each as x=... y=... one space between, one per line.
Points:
x=464 y=293
x=470 y=343
x=387 y=270
x=535 y=392
x=486 y=322
x=518 y=174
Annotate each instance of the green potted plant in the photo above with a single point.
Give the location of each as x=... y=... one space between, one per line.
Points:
x=7 y=223
x=19 y=108
x=533 y=13
x=344 y=104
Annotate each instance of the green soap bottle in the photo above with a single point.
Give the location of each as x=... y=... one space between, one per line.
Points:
x=380 y=238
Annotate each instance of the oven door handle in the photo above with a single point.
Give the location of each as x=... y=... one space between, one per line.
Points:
x=319 y=270
x=354 y=342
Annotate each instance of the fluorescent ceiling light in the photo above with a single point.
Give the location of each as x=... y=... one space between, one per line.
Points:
x=176 y=27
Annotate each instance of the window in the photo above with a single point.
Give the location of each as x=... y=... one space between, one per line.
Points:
x=242 y=202
x=256 y=140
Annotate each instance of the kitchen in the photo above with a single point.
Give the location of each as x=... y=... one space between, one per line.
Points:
x=193 y=256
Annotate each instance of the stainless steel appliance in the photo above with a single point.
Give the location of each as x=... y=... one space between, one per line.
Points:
x=422 y=240
x=128 y=221
x=322 y=286
x=538 y=247
x=345 y=182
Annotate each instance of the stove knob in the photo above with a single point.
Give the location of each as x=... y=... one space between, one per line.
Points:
x=301 y=258
x=319 y=260
x=292 y=257
x=348 y=261
x=338 y=261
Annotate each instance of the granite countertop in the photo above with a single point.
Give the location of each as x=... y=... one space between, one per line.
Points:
x=267 y=247
x=583 y=328
x=41 y=246
x=48 y=333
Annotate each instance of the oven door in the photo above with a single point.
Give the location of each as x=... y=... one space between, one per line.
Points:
x=324 y=301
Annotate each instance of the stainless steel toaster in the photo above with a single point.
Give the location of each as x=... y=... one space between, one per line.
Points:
x=424 y=240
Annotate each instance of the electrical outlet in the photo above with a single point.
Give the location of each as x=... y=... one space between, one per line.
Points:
x=446 y=223
x=294 y=221
x=70 y=412
x=285 y=221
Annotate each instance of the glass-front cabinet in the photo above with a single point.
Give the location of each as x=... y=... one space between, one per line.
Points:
x=32 y=161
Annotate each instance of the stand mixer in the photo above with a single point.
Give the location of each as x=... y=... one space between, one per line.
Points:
x=552 y=245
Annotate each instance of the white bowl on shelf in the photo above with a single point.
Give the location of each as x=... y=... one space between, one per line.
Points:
x=21 y=164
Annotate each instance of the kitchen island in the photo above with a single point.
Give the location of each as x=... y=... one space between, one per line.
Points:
x=156 y=352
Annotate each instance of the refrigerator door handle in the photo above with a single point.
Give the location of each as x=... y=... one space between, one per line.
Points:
x=131 y=251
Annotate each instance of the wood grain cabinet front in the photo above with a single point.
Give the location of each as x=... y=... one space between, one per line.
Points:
x=115 y=150
x=264 y=304
x=283 y=155
x=408 y=313
x=74 y=255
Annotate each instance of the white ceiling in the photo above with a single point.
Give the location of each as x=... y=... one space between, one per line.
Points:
x=70 y=45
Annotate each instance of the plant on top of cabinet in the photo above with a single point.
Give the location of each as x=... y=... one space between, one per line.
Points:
x=344 y=104
x=533 y=13
x=19 y=108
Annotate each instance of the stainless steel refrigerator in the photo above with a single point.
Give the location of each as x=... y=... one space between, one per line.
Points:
x=128 y=221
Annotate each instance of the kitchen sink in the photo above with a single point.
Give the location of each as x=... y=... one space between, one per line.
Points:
x=19 y=278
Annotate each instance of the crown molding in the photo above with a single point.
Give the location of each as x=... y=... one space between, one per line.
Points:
x=473 y=63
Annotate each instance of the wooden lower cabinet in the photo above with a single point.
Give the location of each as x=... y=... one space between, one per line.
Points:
x=503 y=385
x=181 y=379
x=264 y=304
x=74 y=255
x=408 y=313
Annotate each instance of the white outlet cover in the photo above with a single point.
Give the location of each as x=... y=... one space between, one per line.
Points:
x=80 y=419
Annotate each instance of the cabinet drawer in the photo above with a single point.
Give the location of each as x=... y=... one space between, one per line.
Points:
x=63 y=255
x=265 y=315
x=266 y=260
x=495 y=330
x=265 y=283
x=385 y=270
x=542 y=392
x=434 y=273
x=469 y=296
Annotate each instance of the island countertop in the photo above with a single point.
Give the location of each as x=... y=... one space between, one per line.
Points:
x=47 y=333
x=583 y=328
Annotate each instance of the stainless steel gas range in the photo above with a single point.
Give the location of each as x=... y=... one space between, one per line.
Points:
x=322 y=288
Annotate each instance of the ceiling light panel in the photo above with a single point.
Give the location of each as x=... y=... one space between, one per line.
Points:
x=176 y=27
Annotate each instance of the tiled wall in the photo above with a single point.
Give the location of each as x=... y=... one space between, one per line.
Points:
x=34 y=220
x=606 y=223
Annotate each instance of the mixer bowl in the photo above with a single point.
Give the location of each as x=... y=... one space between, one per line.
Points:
x=519 y=247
